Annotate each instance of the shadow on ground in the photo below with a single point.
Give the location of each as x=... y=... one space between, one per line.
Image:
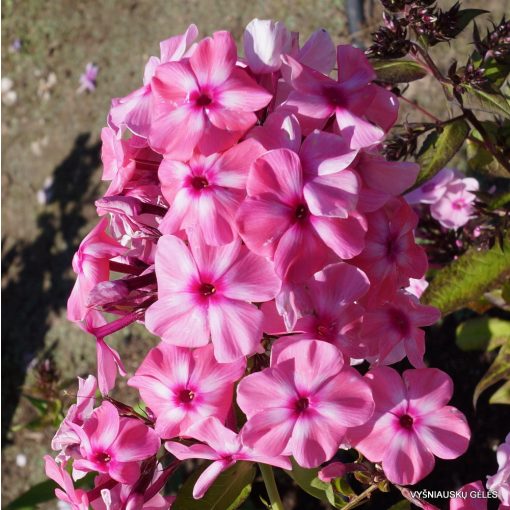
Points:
x=38 y=278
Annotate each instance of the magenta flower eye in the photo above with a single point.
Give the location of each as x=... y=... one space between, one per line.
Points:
x=406 y=421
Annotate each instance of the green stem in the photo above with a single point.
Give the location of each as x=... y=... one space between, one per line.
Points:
x=358 y=499
x=272 y=490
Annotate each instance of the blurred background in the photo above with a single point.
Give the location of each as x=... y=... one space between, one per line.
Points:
x=51 y=177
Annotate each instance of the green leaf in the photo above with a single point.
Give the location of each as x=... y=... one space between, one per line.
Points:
x=482 y=333
x=398 y=71
x=465 y=16
x=40 y=404
x=401 y=505
x=494 y=103
x=228 y=491
x=44 y=491
x=309 y=481
x=467 y=278
x=439 y=148
x=498 y=371
x=501 y=395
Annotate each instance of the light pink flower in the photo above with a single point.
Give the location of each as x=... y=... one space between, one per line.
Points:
x=88 y=78
x=205 y=101
x=391 y=255
x=135 y=110
x=91 y=265
x=303 y=404
x=113 y=445
x=470 y=502
x=206 y=192
x=76 y=498
x=455 y=208
x=224 y=447
x=66 y=438
x=432 y=190
x=500 y=482
x=182 y=386
x=401 y=320
x=206 y=293
x=264 y=43
x=301 y=212
x=411 y=423
x=363 y=111
x=108 y=359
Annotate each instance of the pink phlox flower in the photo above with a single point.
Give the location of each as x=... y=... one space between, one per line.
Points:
x=224 y=447
x=456 y=207
x=205 y=101
x=91 y=265
x=300 y=210
x=382 y=179
x=76 y=498
x=396 y=328
x=124 y=496
x=108 y=359
x=391 y=255
x=135 y=109
x=467 y=501
x=432 y=190
x=65 y=439
x=332 y=310
x=88 y=78
x=113 y=445
x=411 y=423
x=281 y=130
x=303 y=404
x=127 y=163
x=363 y=111
x=206 y=192
x=500 y=482
x=450 y=196
x=265 y=41
x=206 y=293
x=182 y=386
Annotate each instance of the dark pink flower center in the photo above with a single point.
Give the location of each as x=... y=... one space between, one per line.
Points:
x=102 y=457
x=207 y=289
x=400 y=321
x=302 y=404
x=186 y=396
x=301 y=212
x=392 y=248
x=406 y=422
x=199 y=182
x=203 y=100
x=458 y=204
x=334 y=95
x=325 y=330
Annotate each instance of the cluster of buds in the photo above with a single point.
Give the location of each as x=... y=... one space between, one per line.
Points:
x=469 y=75
x=390 y=41
x=496 y=43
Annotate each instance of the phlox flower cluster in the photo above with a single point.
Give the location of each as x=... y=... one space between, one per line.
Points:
x=253 y=226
